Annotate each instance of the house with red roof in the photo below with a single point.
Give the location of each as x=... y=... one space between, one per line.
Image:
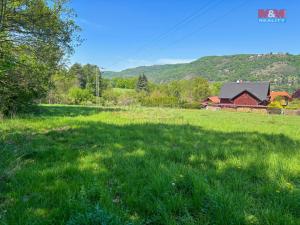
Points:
x=282 y=96
x=212 y=100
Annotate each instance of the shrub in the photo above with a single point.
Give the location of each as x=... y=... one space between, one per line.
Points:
x=80 y=96
x=295 y=104
x=190 y=105
x=119 y=96
x=158 y=99
x=110 y=97
x=21 y=86
x=275 y=104
x=128 y=83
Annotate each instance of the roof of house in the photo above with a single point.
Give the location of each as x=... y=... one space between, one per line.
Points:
x=275 y=94
x=214 y=99
x=259 y=89
x=296 y=94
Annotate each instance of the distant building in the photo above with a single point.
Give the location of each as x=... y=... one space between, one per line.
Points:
x=248 y=94
x=296 y=94
x=282 y=96
x=212 y=100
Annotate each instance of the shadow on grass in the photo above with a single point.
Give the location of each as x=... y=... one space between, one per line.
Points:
x=154 y=174
x=70 y=110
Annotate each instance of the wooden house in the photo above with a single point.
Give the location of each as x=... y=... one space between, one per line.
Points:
x=282 y=96
x=247 y=94
x=212 y=100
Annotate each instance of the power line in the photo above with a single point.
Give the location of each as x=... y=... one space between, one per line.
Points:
x=205 y=25
x=185 y=21
x=210 y=23
x=203 y=10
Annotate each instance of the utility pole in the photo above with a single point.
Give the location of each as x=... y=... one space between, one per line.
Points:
x=97 y=86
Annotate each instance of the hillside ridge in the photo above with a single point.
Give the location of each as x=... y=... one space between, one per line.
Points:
x=281 y=69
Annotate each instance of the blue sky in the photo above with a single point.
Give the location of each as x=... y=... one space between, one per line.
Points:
x=122 y=34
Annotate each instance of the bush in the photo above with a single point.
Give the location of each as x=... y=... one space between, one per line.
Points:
x=127 y=83
x=295 y=104
x=109 y=97
x=190 y=105
x=21 y=86
x=119 y=96
x=275 y=104
x=80 y=96
x=158 y=99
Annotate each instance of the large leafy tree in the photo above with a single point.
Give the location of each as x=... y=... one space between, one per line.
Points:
x=35 y=38
x=199 y=89
x=86 y=76
x=62 y=82
x=124 y=82
x=76 y=70
x=90 y=72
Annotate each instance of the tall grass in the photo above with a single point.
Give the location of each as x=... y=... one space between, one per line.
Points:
x=79 y=165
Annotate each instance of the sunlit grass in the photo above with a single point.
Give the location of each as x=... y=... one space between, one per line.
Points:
x=83 y=165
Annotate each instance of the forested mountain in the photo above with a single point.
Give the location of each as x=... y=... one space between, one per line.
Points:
x=283 y=70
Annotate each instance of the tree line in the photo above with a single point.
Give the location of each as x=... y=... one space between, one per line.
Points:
x=76 y=85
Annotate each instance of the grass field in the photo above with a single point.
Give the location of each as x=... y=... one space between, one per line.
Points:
x=79 y=165
x=124 y=91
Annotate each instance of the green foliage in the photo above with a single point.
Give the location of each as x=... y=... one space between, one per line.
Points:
x=90 y=72
x=80 y=76
x=184 y=93
x=275 y=104
x=119 y=96
x=80 y=96
x=190 y=105
x=215 y=88
x=199 y=89
x=295 y=104
x=149 y=166
x=21 y=84
x=77 y=72
x=126 y=83
x=86 y=76
x=142 y=84
x=157 y=98
x=61 y=83
x=188 y=91
x=38 y=24
x=174 y=88
x=35 y=37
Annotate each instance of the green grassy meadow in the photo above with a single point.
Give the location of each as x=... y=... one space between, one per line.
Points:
x=83 y=165
x=123 y=91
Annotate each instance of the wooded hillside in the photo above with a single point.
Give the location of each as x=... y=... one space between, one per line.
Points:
x=283 y=70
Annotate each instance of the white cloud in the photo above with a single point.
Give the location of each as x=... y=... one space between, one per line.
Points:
x=132 y=63
x=174 y=61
